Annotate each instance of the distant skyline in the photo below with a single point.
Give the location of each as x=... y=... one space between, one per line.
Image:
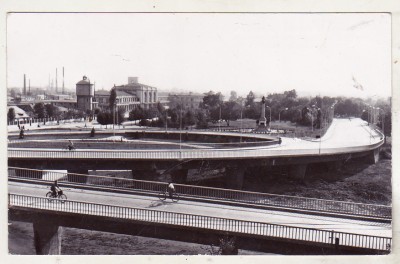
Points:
x=327 y=54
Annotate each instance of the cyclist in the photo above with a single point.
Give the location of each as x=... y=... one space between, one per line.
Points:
x=55 y=189
x=170 y=189
x=70 y=145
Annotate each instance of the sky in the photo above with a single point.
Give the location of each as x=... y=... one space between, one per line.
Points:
x=316 y=54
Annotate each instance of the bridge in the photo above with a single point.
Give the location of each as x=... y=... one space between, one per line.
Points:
x=264 y=222
x=257 y=221
x=345 y=139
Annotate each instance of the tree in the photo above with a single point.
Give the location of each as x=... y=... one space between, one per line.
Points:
x=136 y=114
x=51 y=110
x=233 y=97
x=230 y=111
x=113 y=98
x=39 y=110
x=105 y=118
x=212 y=103
x=120 y=116
x=201 y=119
x=11 y=114
x=250 y=99
x=212 y=100
x=188 y=119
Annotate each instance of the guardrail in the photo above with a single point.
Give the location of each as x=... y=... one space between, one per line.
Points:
x=254 y=198
x=205 y=222
x=185 y=153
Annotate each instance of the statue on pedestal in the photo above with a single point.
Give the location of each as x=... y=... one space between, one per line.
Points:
x=263 y=121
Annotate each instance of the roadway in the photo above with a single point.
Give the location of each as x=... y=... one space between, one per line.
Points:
x=214 y=210
x=344 y=136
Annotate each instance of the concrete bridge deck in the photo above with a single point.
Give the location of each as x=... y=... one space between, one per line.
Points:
x=198 y=222
x=216 y=210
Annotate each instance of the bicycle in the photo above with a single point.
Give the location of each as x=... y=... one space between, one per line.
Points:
x=60 y=196
x=69 y=148
x=164 y=195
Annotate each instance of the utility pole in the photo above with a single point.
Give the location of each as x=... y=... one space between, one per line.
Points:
x=56 y=81
x=63 y=82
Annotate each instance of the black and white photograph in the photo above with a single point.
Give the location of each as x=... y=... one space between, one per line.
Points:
x=199 y=133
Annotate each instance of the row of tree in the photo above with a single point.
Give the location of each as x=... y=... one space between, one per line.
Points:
x=41 y=110
x=287 y=106
x=317 y=111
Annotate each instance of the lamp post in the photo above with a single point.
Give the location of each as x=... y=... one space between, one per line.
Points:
x=219 y=120
x=383 y=120
x=279 y=115
x=166 y=121
x=180 y=127
x=368 y=113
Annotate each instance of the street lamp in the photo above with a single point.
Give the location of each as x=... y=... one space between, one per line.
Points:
x=180 y=127
x=241 y=121
x=166 y=121
x=279 y=126
x=312 y=117
x=219 y=120
x=383 y=120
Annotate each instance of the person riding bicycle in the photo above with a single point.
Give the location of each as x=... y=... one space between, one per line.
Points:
x=70 y=145
x=170 y=189
x=55 y=189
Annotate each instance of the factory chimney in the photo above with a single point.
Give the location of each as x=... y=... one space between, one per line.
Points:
x=24 y=84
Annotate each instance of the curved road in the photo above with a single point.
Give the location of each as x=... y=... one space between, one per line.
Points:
x=343 y=136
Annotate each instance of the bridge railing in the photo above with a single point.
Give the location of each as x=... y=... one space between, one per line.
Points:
x=205 y=222
x=175 y=154
x=254 y=198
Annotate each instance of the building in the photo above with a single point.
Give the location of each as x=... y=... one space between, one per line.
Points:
x=188 y=100
x=124 y=100
x=85 y=95
x=146 y=95
x=129 y=96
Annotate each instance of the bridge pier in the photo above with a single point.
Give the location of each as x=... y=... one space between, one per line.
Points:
x=47 y=237
x=73 y=175
x=179 y=175
x=234 y=177
x=298 y=171
x=334 y=165
x=147 y=175
x=373 y=156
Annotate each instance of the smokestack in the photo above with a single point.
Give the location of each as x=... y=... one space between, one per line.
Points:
x=56 y=82
x=24 y=84
x=63 y=82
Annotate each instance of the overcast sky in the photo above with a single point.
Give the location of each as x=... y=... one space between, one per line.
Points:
x=265 y=53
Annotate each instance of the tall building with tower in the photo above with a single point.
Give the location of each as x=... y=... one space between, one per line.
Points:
x=85 y=94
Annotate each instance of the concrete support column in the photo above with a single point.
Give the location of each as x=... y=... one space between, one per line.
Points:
x=31 y=174
x=334 y=165
x=298 y=171
x=228 y=245
x=373 y=156
x=234 y=177
x=73 y=175
x=47 y=237
x=179 y=176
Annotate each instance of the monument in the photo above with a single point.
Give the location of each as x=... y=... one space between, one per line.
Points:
x=263 y=121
